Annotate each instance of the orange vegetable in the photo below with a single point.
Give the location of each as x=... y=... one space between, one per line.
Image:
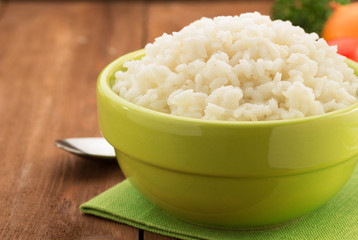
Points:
x=342 y=23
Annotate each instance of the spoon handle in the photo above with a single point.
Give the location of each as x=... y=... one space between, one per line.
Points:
x=96 y=147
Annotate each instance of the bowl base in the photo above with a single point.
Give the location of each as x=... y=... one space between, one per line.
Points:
x=242 y=228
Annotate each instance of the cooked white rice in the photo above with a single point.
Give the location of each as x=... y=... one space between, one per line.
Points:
x=245 y=67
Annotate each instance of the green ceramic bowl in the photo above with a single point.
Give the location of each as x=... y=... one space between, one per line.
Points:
x=229 y=174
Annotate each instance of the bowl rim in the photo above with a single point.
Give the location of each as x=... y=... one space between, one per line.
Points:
x=104 y=87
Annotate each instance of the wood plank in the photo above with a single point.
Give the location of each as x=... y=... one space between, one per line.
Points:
x=2 y=7
x=166 y=17
x=50 y=57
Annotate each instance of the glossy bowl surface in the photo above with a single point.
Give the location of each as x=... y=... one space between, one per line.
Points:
x=228 y=174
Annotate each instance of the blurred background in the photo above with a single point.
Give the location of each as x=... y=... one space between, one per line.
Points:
x=51 y=53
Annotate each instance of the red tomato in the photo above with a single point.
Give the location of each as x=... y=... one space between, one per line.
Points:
x=347 y=47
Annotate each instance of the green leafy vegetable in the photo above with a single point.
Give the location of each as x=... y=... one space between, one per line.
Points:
x=308 y=14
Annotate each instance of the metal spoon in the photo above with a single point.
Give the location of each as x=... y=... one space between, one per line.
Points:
x=95 y=147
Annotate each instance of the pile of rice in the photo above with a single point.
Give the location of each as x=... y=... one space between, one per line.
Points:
x=245 y=67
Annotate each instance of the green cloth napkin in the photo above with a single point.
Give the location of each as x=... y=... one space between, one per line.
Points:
x=337 y=219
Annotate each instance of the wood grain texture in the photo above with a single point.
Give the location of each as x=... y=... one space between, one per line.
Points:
x=2 y=7
x=50 y=57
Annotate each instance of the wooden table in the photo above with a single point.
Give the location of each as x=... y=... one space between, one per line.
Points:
x=50 y=56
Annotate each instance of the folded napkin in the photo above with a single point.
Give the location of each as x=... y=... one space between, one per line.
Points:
x=337 y=219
